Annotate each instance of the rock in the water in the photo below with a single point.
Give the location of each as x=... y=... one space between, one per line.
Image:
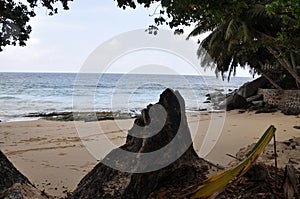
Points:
x=81 y=116
x=217 y=96
x=14 y=185
x=250 y=88
x=162 y=126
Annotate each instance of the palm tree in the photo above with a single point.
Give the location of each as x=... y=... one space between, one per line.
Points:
x=247 y=40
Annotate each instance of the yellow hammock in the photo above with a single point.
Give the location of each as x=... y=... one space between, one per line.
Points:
x=219 y=181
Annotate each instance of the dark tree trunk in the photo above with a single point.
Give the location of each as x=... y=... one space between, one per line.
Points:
x=162 y=124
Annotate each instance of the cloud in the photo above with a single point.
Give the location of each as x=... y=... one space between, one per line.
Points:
x=34 y=50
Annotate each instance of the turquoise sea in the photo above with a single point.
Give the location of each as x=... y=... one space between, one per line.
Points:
x=24 y=93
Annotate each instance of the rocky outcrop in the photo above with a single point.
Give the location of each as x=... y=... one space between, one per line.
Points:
x=234 y=101
x=82 y=116
x=158 y=153
x=255 y=98
x=14 y=185
x=246 y=96
x=250 y=88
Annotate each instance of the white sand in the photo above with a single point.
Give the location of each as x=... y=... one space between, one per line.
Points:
x=54 y=158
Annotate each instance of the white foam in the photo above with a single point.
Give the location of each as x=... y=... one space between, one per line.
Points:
x=19 y=119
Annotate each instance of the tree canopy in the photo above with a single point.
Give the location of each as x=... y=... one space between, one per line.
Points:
x=14 y=18
x=262 y=34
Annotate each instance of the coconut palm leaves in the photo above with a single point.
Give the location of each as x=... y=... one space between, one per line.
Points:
x=246 y=40
x=217 y=182
x=237 y=39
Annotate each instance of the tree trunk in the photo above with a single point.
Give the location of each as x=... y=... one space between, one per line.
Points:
x=284 y=63
x=116 y=177
x=268 y=78
x=282 y=60
x=290 y=182
x=294 y=67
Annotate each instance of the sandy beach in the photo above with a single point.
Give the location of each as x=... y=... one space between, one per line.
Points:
x=53 y=156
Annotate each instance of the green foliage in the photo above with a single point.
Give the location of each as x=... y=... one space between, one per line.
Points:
x=244 y=32
x=238 y=41
x=178 y=13
x=241 y=31
x=14 y=18
x=290 y=10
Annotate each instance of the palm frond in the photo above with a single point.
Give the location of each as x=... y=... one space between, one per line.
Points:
x=205 y=42
x=246 y=32
x=197 y=31
x=232 y=28
x=257 y=11
x=219 y=181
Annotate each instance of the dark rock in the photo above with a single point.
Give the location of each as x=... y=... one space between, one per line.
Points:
x=216 y=99
x=215 y=94
x=82 y=116
x=206 y=102
x=257 y=97
x=13 y=193
x=267 y=109
x=219 y=89
x=257 y=172
x=13 y=184
x=234 y=101
x=258 y=103
x=202 y=109
x=250 y=88
x=291 y=110
x=296 y=127
x=9 y=175
x=162 y=126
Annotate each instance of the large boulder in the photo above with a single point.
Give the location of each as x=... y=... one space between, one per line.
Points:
x=161 y=128
x=235 y=101
x=250 y=88
x=253 y=98
x=294 y=110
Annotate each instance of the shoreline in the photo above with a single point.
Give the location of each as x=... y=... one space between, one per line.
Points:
x=70 y=116
x=53 y=157
x=84 y=115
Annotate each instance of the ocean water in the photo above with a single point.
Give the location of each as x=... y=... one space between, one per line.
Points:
x=24 y=93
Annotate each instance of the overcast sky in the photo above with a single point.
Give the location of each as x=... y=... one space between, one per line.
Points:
x=63 y=42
